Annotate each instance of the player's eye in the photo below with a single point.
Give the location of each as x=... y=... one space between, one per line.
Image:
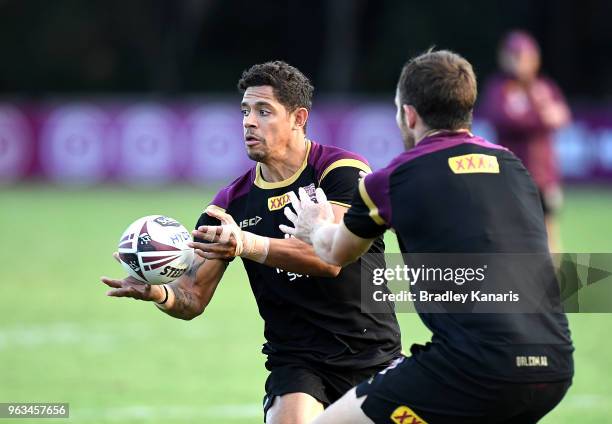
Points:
x=264 y=112
x=245 y=112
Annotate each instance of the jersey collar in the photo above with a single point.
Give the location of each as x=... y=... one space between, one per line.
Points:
x=261 y=183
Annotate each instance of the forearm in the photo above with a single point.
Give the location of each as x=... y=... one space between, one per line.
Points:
x=323 y=241
x=185 y=304
x=336 y=245
x=294 y=255
x=190 y=294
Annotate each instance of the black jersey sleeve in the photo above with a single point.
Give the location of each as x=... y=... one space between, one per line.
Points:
x=339 y=183
x=359 y=219
x=205 y=219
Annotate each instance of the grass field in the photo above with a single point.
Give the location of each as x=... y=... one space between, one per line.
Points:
x=119 y=360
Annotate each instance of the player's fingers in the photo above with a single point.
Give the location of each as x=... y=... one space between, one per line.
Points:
x=215 y=213
x=295 y=202
x=227 y=219
x=116 y=256
x=320 y=195
x=304 y=197
x=219 y=250
x=290 y=215
x=111 y=283
x=207 y=232
x=224 y=217
x=200 y=246
x=287 y=230
x=213 y=255
x=226 y=233
x=362 y=174
x=329 y=211
x=120 y=292
x=322 y=200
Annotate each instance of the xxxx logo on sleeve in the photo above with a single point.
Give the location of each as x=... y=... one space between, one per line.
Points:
x=473 y=164
x=405 y=415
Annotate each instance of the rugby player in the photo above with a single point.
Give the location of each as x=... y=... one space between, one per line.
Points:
x=526 y=109
x=318 y=342
x=440 y=197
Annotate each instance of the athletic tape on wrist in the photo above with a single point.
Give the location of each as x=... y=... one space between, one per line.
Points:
x=255 y=247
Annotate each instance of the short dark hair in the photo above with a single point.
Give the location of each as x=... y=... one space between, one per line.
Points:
x=441 y=85
x=291 y=87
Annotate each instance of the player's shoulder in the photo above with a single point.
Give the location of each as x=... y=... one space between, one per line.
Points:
x=324 y=159
x=438 y=148
x=450 y=143
x=236 y=189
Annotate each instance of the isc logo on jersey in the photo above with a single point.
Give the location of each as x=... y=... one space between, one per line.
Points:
x=249 y=222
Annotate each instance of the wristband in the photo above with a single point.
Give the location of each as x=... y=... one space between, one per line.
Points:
x=166 y=297
x=168 y=302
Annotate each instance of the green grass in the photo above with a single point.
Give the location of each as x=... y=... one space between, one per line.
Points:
x=119 y=360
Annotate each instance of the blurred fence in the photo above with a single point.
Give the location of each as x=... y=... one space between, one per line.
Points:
x=154 y=143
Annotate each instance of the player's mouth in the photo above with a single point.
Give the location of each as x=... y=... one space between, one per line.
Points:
x=251 y=140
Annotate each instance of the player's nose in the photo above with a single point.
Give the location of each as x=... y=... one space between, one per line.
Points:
x=249 y=121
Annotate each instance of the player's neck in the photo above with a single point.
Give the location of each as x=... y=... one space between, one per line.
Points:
x=422 y=131
x=287 y=162
x=431 y=132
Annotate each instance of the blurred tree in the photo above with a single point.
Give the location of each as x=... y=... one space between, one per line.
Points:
x=346 y=46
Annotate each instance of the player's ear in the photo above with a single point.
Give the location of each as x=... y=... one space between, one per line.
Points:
x=410 y=115
x=301 y=116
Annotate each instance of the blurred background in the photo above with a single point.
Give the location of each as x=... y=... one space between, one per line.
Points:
x=111 y=110
x=87 y=85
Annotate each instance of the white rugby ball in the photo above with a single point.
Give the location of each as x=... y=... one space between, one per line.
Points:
x=154 y=249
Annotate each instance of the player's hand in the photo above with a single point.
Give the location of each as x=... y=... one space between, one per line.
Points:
x=133 y=288
x=308 y=216
x=555 y=115
x=226 y=240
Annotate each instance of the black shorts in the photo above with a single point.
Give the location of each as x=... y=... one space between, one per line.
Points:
x=325 y=385
x=407 y=393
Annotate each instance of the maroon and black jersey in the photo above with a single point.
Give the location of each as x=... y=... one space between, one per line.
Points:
x=310 y=319
x=457 y=193
x=514 y=110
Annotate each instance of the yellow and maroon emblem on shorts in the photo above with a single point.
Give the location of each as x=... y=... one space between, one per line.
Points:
x=405 y=415
x=475 y=163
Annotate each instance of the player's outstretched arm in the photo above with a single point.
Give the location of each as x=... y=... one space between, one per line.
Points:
x=184 y=298
x=227 y=241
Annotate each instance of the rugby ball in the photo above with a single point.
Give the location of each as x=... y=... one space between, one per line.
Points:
x=154 y=249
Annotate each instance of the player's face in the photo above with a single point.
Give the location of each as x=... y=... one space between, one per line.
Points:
x=400 y=117
x=266 y=123
x=522 y=64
